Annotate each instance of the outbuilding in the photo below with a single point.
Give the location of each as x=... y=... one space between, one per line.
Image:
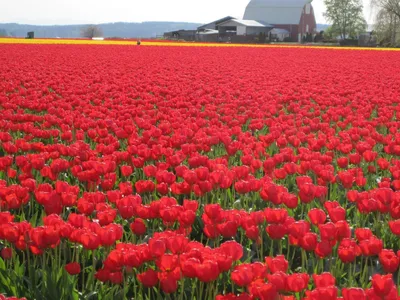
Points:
x=244 y=27
x=295 y=16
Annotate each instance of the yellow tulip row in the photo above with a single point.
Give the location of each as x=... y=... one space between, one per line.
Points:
x=176 y=44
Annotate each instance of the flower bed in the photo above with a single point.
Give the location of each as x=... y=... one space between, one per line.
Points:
x=199 y=173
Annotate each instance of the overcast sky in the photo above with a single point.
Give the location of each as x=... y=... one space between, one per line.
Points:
x=59 y=12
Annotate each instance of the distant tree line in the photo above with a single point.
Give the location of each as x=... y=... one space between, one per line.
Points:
x=3 y=32
x=119 y=29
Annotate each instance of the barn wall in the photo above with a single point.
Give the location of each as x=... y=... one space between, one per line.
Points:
x=293 y=29
x=241 y=30
x=307 y=21
x=257 y=30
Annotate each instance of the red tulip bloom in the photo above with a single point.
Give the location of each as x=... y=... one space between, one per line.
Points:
x=348 y=250
x=276 y=264
x=232 y=249
x=90 y=240
x=326 y=293
x=169 y=281
x=126 y=171
x=353 y=294
x=242 y=275
x=389 y=260
x=337 y=214
x=148 y=278
x=275 y=216
x=328 y=232
x=192 y=205
x=395 y=227
x=228 y=229
x=371 y=247
x=346 y=178
x=73 y=268
x=213 y=211
x=103 y=275
x=252 y=233
x=317 y=216
x=278 y=279
x=126 y=188
x=343 y=230
x=6 y=253
x=276 y=231
x=324 y=280
x=382 y=284
x=6 y=217
x=363 y=234
x=309 y=241
x=342 y=162
x=231 y=296
x=207 y=271
x=298 y=229
x=157 y=247
x=268 y=291
x=138 y=227
x=323 y=249
x=116 y=277
x=189 y=266
x=297 y=282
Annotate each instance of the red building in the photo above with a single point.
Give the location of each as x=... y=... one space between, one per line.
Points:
x=295 y=16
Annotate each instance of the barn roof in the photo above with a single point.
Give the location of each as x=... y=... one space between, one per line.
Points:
x=212 y=25
x=248 y=23
x=275 y=11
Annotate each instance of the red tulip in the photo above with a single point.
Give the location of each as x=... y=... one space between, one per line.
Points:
x=207 y=271
x=317 y=216
x=148 y=278
x=382 y=284
x=323 y=249
x=126 y=171
x=276 y=231
x=309 y=241
x=389 y=260
x=73 y=268
x=242 y=275
x=138 y=227
x=363 y=234
x=353 y=294
x=324 y=280
x=395 y=227
x=6 y=253
x=297 y=282
x=276 y=264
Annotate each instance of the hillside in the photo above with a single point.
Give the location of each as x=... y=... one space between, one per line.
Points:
x=123 y=30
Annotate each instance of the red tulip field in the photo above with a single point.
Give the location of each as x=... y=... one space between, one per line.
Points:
x=165 y=172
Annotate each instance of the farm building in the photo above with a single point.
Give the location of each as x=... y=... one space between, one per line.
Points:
x=244 y=27
x=187 y=35
x=213 y=25
x=274 y=20
x=295 y=16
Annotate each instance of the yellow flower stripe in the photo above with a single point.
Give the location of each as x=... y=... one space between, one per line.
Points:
x=174 y=44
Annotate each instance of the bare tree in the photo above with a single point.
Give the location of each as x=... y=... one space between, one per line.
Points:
x=387 y=20
x=91 y=31
x=391 y=6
